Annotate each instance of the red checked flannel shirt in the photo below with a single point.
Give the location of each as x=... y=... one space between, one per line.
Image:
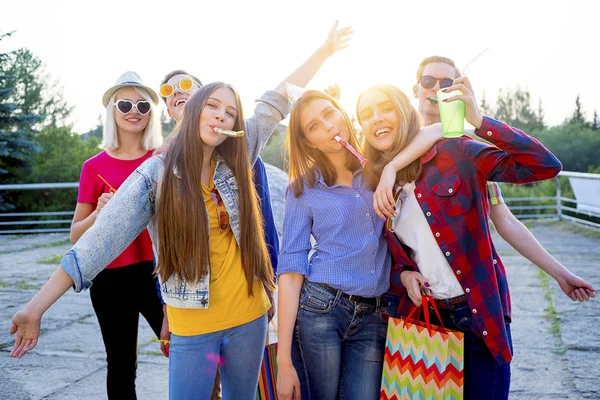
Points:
x=451 y=191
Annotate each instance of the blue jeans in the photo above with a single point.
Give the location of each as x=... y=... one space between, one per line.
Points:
x=484 y=378
x=193 y=362
x=338 y=345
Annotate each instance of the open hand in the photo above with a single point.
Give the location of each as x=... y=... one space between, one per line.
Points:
x=27 y=327
x=337 y=39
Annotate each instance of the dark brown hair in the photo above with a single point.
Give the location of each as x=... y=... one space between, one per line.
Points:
x=182 y=216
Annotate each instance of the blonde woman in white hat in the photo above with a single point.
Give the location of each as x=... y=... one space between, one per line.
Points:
x=126 y=288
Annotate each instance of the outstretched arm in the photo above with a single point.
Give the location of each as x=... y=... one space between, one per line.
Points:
x=26 y=322
x=521 y=239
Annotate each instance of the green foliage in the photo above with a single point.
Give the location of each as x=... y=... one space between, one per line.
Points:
x=576 y=145
x=539 y=189
x=513 y=107
x=34 y=92
x=167 y=124
x=578 y=118
x=16 y=136
x=594 y=170
x=60 y=159
x=275 y=152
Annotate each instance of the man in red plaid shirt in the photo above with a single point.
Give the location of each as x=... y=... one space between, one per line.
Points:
x=452 y=195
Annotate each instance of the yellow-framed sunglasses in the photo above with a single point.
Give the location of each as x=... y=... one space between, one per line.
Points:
x=167 y=90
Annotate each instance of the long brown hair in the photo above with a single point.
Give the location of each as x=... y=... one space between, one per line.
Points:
x=409 y=126
x=182 y=216
x=304 y=161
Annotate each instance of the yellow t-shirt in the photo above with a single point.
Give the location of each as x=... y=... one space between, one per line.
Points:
x=229 y=303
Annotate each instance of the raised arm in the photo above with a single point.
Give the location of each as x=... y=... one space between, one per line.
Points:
x=273 y=105
x=517 y=157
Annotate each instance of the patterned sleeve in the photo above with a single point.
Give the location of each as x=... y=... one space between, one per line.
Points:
x=495 y=195
x=515 y=157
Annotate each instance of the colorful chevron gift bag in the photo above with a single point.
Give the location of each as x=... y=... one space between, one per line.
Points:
x=422 y=361
x=267 y=379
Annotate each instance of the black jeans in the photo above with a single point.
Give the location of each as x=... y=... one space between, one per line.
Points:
x=119 y=296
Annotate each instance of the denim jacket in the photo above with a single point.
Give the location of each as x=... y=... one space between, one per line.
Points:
x=132 y=209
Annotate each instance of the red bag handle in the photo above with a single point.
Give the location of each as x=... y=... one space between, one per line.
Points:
x=426 y=301
x=431 y=300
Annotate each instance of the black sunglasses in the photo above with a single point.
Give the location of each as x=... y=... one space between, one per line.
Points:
x=125 y=106
x=428 y=81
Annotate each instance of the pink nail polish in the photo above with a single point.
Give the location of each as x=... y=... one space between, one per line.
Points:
x=426 y=284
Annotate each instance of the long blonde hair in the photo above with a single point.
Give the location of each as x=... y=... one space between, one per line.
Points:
x=152 y=138
x=304 y=161
x=409 y=126
x=181 y=211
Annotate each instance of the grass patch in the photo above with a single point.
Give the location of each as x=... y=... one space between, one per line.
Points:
x=4 y=346
x=529 y=223
x=579 y=229
x=39 y=246
x=27 y=286
x=508 y=253
x=53 y=244
x=551 y=313
x=4 y=284
x=151 y=353
x=53 y=259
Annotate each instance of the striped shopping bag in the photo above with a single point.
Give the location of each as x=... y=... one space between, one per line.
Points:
x=422 y=361
x=267 y=379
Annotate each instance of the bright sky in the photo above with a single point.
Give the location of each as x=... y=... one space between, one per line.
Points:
x=549 y=47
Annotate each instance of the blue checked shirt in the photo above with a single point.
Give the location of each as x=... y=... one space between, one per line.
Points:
x=350 y=252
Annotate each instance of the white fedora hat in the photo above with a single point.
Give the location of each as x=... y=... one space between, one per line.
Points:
x=129 y=78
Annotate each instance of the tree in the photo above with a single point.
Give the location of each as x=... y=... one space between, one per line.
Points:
x=578 y=117
x=575 y=144
x=485 y=106
x=595 y=122
x=16 y=136
x=60 y=159
x=275 y=151
x=540 y=112
x=514 y=108
x=34 y=91
x=167 y=124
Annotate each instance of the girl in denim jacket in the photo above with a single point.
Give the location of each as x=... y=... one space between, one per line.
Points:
x=201 y=209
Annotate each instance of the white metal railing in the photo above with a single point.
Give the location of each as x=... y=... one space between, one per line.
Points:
x=582 y=212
